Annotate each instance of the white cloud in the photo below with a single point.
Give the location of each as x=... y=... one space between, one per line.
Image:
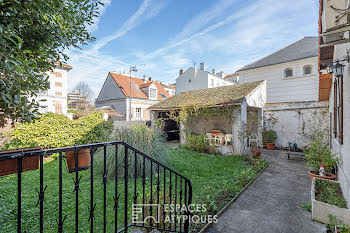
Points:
x=101 y=10
x=224 y=36
x=146 y=11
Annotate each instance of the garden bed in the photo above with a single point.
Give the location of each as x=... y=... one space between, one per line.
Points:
x=327 y=199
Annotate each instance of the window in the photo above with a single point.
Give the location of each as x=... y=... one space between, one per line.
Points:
x=307 y=70
x=58 y=84
x=58 y=93
x=288 y=73
x=43 y=109
x=212 y=82
x=138 y=114
x=152 y=93
x=338 y=109
x=57 y=74
x=58 y=108
x=189 y=80
x=162 y=95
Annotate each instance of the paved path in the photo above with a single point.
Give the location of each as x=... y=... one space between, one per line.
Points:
x=271 y=203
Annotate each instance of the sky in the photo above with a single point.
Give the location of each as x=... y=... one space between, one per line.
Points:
x=161 y=37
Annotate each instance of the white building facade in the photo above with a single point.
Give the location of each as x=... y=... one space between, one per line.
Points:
x=55 y=98
x=196 y=79
x=115 y=92
x=292 y=91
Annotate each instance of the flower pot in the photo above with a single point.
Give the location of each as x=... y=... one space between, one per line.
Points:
x=83 y=159
x=270 y=145
x=329 y=176
x=10 y=166
x=256 y=153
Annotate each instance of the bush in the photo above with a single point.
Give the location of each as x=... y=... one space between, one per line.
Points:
x=200 y=144
x=319 y=154
x=55 y=131
x=269 y=136
x=149 y=141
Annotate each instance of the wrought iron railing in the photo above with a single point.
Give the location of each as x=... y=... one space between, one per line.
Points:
x=145 y=184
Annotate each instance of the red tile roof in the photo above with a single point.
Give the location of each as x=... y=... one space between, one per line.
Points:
x=231 y=75
x=123 y=81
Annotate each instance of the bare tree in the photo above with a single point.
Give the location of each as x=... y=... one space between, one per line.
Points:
x=84 y=90
x=85 y=96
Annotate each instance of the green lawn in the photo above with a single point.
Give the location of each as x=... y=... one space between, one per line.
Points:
x=215 y=179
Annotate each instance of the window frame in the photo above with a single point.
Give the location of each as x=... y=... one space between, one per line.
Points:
x=307 y=66
x=338 y=103
x=285 y=73
x=155 y=93
x=138 y=115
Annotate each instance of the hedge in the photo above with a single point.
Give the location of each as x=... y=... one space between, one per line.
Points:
x=55 y=131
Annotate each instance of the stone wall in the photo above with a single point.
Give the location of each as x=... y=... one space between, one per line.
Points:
x=296 y=122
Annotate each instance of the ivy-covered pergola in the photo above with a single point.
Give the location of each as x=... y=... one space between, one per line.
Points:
x=224 y=107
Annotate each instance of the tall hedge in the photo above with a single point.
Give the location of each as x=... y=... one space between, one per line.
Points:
x=54 y=131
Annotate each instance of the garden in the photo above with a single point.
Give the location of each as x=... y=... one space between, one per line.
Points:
x=216 y=179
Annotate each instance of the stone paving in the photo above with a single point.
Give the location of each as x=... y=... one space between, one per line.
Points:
x=271 y=203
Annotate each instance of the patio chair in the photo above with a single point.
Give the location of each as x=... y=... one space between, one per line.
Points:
x=228 y=139
x=211 y=139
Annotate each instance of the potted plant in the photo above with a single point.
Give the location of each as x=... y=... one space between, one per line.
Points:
x=270 y=137
x=10 y=166
x=317 y=155
x=83 y=159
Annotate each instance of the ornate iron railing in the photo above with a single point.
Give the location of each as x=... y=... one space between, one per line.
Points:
x=147 y=189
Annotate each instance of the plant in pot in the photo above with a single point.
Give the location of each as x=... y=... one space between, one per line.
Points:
x=83 y=157
x=270 y=137
x=10 y=166
x=319 y=155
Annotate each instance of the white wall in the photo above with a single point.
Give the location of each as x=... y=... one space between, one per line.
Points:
x=280 y=89
x=51 y=96
x=343 y=151
x=296 y=122
x=196 y=79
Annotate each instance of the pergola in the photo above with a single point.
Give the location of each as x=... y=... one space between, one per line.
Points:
x=241 y=99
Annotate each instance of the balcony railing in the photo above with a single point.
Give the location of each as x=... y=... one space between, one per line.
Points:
x=145 y=184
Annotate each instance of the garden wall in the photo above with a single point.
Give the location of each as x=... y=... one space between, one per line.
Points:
x=298 y=121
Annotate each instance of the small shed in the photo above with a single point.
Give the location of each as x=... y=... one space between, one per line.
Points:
x=232 y=106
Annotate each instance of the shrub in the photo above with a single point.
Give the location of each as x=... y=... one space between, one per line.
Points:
x=269 y=136
x=149 y=141
x=200 y=144
x=319 y=154
x=54 y=131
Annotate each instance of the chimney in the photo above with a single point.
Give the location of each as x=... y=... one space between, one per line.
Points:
x=221 y=74
x=144 y=77
x=213 y=71
x=202 y=66
x=150 y=78
x=181 y=71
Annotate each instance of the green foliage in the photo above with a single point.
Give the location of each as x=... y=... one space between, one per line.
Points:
x=33 y=35
x=329 y=192
x=54 y=131
x=319 y=154
x=306 y=206
x=336 y=226
x=269 y=136
x=200 y=144
x=149 y=141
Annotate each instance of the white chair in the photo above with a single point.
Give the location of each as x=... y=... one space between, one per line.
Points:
x=210 y=139
x=228 y=139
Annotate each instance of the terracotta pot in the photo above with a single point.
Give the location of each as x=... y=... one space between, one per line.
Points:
x=270 y=145
x=256 y=153
x=329 y=176
x=83 y=159
x=10 y=166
